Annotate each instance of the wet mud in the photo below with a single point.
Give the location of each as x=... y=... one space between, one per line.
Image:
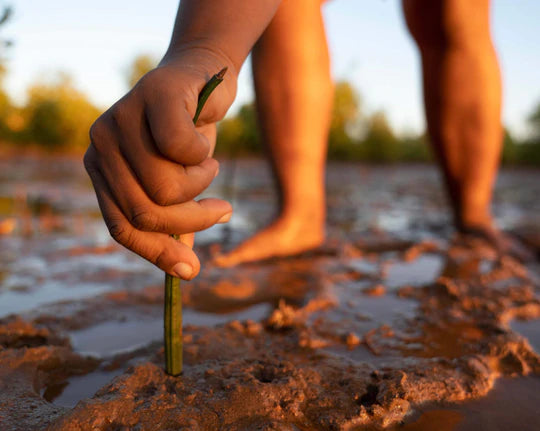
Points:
x=394 y=323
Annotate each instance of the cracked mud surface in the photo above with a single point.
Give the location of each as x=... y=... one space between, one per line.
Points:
x=387 y=325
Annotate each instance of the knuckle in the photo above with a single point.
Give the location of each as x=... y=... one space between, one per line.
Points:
x=167 y=138
x=100 y=133
x=216 y=111
x=161 y=258
x=88 y=161
x=144 y=218
x=168 y=193
x=155 y=85
x=97 y=130
x=118 y=231
x=119 y=114
x=206 y=220
x=149 y=80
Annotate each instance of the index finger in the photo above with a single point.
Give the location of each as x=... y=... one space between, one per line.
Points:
x=172 y=256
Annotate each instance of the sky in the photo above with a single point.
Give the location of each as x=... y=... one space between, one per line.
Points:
x=94 y=42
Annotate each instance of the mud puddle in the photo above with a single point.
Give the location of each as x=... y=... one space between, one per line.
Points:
x=114 y=337
x=120 y=344
x=511 y=405
x=109 y=338
x=20 y=301
x=69 y=393
x=424 y=270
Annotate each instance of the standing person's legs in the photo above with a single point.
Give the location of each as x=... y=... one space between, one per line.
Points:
x=462 y=95
x=294 y=91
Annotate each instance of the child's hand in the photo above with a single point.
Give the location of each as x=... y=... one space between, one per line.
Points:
x=147 y=160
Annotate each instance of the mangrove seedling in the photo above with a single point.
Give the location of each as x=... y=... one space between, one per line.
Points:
x=172 y=318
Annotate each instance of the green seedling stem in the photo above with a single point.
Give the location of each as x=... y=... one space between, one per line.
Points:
x=172 y=317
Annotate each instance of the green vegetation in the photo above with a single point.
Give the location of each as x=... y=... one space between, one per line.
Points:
x=140 y=66
x=57 y=116
x=355 y=136
x=239 y=135
x=345 y=115
x=529 y=152
x=174 y=341
x=5 y=102
x=352 y=136
x=526 y=152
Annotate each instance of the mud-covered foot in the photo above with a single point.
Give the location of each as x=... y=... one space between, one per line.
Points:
x=281 y=238
x=503 y=243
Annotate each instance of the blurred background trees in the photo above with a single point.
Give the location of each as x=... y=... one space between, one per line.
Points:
x=140 y=66
x=353 y=135
x=529 y=151
x=238 y=135
x=57 y=116
x=5 y=102
x=380 y=144
x=345 y=121
x=367 y=137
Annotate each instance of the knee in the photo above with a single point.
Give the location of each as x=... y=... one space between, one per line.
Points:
x=447 y=23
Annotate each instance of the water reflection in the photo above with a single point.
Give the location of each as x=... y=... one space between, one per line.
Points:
x=423 y=270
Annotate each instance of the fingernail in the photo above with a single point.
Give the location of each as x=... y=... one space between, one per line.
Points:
x=225 y=218
x=183 y=270
x=217 y=172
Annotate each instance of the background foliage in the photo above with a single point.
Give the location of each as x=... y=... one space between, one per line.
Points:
x=57 y=116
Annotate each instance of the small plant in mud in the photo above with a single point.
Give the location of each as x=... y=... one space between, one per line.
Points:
x=172 y=318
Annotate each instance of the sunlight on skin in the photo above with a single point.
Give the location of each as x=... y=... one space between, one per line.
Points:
x=294 y=104
x=295 y=121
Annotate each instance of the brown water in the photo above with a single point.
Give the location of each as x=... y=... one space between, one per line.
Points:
x=326 y=334
x=511 y=405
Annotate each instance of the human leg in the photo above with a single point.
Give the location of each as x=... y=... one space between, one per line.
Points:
x=462 y=96
x=294 y=98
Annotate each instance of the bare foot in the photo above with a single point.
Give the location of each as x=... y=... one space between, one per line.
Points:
x=282 y=238
x=503 y=243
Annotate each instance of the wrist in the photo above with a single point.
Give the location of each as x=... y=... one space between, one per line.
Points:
x=202 y=62
x=195 y=66
x=201 y=56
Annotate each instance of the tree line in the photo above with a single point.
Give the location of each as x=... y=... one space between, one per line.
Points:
x=370 y=138
x=57 y=116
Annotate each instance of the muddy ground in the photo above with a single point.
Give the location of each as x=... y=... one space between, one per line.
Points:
x=394 y=323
